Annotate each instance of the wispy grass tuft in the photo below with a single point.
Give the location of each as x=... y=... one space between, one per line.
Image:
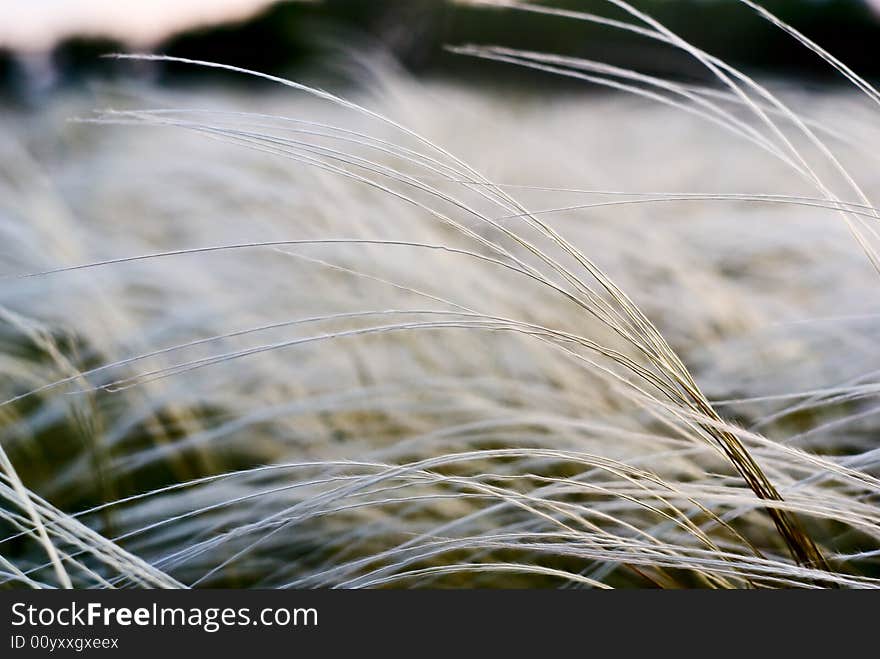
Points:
x=293 y=341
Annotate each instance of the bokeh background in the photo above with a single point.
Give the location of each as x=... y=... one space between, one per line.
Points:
x=45 y=45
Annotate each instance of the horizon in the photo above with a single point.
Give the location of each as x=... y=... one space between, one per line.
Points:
x=28 y=27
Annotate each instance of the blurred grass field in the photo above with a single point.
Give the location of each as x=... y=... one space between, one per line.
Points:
x=278 y=339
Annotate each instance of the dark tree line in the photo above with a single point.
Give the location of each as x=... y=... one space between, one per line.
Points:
x=291 y=36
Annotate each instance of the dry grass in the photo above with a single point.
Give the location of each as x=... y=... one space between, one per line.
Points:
x=286 y=340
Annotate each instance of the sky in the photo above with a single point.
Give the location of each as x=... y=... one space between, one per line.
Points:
x=38 y=24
